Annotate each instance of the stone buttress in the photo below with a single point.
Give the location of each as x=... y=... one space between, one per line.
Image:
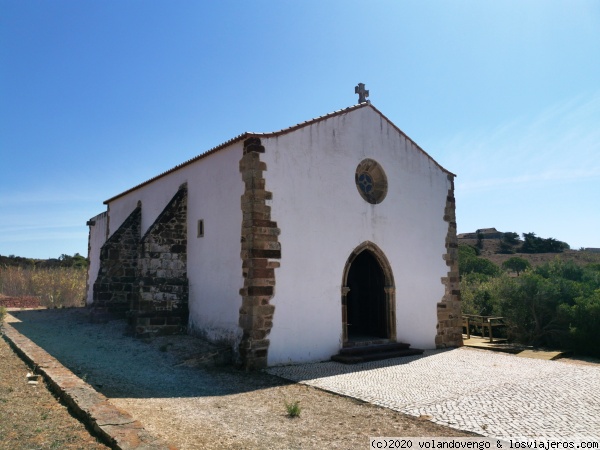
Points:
x=145 y=278
x=117 y=277
x=161 y=301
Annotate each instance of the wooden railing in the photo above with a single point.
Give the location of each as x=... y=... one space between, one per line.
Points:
x=484 y=323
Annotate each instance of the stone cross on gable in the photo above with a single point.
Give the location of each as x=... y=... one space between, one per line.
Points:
x=362 y=92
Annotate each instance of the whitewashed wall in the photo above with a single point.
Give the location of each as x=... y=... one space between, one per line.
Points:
x=97 y=238
x=213 y=261
x=323 y=218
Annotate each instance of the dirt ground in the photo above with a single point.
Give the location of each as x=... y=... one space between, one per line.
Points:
x=258 y=419
x=30 y=416
x=225 y=408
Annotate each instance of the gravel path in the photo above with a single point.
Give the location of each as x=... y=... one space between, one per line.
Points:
x=114 y=363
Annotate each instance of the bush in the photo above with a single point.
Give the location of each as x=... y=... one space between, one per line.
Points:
x=584 y=318
x=555 y=305
x=478 y=295
x=530 y=303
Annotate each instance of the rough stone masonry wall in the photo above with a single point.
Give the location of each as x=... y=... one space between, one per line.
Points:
x=260 y=244
x=449 y=327
x=160 y=304
x=117 y=277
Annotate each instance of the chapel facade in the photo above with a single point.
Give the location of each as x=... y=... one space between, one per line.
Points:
x=288 y=246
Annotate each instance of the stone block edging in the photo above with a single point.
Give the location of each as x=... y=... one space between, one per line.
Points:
x=114 y=426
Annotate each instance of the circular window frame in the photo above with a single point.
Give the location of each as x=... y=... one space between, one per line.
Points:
x=371 y=181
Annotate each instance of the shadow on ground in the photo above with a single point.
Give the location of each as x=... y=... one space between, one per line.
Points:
x=121 y=366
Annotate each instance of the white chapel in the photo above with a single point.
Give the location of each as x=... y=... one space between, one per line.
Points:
x=332 y=235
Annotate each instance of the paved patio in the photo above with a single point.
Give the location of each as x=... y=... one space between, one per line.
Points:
x=492 y=394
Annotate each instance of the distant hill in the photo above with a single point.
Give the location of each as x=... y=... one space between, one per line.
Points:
x=493 y=245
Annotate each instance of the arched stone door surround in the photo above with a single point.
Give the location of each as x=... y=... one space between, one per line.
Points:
x=389 y=288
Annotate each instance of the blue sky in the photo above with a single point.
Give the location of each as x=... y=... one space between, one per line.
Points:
x=97 y=96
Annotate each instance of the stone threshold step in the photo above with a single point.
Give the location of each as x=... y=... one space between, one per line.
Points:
x=375 y=356
x=380 y=348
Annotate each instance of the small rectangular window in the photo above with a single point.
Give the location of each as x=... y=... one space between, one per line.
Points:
x=201 y=228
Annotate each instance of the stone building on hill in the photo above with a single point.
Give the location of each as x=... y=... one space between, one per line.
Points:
x=484 y=233
x=289 y=246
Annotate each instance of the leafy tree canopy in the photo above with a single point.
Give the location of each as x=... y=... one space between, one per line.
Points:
x=556 y=304
x=510 y=238
x=535 y=244
x=516 y=264
x=469 y=262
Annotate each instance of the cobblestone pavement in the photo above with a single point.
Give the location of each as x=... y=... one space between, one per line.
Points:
x=492 y=394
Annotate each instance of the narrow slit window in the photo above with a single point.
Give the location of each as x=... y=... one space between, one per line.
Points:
x=201 y=228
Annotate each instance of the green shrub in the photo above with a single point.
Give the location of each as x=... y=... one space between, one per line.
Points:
x=293 y=408
x=584 y=318
x=555 y=305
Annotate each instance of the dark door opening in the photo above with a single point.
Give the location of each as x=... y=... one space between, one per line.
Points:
x=366 y=299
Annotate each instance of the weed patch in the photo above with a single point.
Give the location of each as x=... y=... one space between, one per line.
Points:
x=293 y=408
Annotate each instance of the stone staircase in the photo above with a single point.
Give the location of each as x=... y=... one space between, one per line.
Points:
x=359 y=354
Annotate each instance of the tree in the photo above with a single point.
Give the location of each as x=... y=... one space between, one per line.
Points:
x=73 y=261
x=531 y=243
x=556 y=304
x=510 y=238
x=469 y=262
x=508 y=242
x=466 y=251
x=535 y=244
x=516 y=264
x=479 y=240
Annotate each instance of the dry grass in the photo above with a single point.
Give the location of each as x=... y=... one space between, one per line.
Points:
x=31 y=417
x=57 y=287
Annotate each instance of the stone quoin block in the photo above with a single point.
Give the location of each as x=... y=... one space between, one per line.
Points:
x=449 y=327
x=259 y=243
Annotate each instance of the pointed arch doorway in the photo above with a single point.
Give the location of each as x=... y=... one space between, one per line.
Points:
x=368 y=297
